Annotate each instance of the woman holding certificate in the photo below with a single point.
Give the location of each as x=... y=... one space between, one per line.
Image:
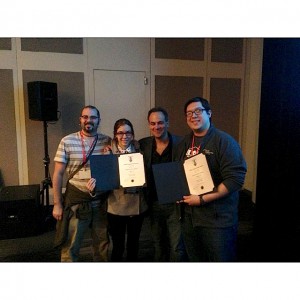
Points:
x=126 y=206
x=210 y=222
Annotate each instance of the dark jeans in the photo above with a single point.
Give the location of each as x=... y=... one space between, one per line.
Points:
x=118 y=227
x=166 y=233
x=205 y=244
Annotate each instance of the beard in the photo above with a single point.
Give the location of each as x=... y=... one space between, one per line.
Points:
x=89 y=128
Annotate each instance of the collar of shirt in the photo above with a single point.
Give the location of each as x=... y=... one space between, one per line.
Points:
x=127 y=150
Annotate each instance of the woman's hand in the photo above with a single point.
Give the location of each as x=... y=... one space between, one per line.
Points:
x=91 y=184
x=107 y=149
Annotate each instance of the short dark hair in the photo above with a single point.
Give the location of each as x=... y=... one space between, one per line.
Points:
x=158 y=109
x=92 y=107
x=203 y=101
x=122 y=122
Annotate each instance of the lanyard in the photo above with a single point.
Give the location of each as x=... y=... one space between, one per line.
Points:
x=198 y=148
x=84 y=154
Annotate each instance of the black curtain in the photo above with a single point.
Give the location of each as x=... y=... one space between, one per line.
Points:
x=277 y=225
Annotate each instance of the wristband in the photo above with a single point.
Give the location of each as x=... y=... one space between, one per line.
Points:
x=92 y=194
x=202 y=202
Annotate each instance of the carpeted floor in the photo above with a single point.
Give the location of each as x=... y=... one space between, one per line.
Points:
x=39 y=248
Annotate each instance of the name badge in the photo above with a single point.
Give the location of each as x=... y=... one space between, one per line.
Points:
x=84 y=174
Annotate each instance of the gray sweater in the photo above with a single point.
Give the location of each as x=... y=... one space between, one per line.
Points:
x=227 y=165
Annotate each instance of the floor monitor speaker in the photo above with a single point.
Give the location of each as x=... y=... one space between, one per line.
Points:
x=20 y=211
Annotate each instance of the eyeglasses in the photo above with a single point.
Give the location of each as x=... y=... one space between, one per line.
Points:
x=93 y=118
x=197 y=112
x=121 y=133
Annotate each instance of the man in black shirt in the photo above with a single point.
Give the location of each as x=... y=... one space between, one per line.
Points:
x=165 y=225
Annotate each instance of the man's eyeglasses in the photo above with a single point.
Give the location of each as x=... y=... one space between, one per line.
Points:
x=197 y=112
x=121 y=133
x=85 y=117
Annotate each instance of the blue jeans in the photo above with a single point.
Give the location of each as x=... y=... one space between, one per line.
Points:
x=204 y=244
x=97 y=224
x=166 y=233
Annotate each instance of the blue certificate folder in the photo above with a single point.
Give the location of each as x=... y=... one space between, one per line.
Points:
x=170 y=182
x=105 y=169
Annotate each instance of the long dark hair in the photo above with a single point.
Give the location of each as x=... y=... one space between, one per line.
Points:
x=122 y=122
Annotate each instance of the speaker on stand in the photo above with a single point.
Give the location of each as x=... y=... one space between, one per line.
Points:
x=42 y=100
x=43 y=105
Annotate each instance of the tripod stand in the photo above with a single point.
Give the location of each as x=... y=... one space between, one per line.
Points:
x=47 y=221
x=47 y=182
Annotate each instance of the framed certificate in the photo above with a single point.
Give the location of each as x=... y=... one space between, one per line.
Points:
x=174 y=180
x=113 y=171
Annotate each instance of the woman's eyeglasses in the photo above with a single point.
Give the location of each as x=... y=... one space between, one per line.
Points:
x=121 y=133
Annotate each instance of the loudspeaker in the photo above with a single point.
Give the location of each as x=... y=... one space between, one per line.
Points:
x=20 y=211
x=42 y=100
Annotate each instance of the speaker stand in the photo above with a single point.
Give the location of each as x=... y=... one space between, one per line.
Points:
x=47 y=181
x=49 y=223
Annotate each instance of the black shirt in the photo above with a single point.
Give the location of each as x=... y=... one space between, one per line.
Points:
x=157 y=158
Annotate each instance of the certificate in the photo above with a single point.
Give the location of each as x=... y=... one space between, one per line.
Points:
x=112 y=171
x=198 y=175
x=174 y=180
x=131 y=170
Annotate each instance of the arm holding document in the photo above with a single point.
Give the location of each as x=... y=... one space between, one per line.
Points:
x=211 y=217
x=199 y=200
x=227 y=180
x=200 y=182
